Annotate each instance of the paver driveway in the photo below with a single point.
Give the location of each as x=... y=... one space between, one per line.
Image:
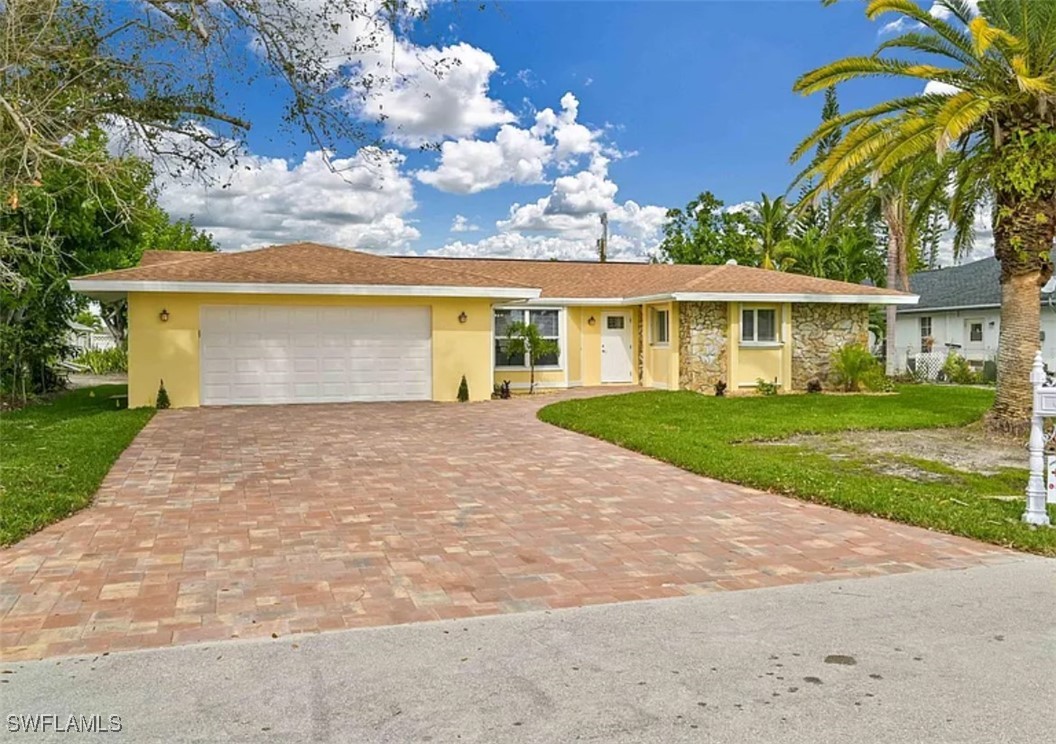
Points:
x=240 y=522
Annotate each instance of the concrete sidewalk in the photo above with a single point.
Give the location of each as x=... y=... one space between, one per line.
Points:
x=939 y=656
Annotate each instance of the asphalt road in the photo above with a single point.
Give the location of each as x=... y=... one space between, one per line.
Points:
x=939 y=656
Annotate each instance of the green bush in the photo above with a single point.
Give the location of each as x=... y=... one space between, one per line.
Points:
x=957 y=370
x=463 y=390
x=104 y=361
x=854 y=367
x=163 y=401
x=764 y=387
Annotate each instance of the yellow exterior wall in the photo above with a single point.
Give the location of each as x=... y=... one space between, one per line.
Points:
x=169 y=351
x=590 y=343
x=660 y=361
x=749 y=363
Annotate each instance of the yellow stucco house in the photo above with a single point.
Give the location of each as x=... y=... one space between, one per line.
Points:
x=308 y=323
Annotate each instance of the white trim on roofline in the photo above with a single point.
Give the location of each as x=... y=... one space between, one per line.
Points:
x=112 y=287
x=582 y=301
x=952 y=308
x=845 y=299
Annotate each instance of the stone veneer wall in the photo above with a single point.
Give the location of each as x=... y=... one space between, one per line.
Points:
x=702 y=354
x=819 y=329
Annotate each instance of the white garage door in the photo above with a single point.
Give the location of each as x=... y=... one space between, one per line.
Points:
x=264 y=354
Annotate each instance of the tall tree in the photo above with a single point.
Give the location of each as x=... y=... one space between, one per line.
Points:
x=771 y=225
x=74 y=229
x=705 y=232
x=992 y=127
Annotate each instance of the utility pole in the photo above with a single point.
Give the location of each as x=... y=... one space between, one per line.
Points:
x=603 y=241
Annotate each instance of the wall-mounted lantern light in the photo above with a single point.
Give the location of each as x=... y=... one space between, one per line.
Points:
x=591 y=321
x=163 y=316
x=462 y=317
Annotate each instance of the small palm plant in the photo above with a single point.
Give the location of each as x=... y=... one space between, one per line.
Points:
x=524 y=339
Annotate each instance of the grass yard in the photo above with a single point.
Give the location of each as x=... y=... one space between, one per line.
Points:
x=53 y=456
x=724 y=438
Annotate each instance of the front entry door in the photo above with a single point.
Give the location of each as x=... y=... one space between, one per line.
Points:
x=617 y=347
x=974 y=345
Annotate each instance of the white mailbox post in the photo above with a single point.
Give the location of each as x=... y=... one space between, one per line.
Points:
x=1044 y=406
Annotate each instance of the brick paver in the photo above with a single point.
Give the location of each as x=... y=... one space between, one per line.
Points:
x=247 y=522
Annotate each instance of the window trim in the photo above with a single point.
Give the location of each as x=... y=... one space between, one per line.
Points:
x=754 y=342
x=654 y=324
x=920 y=330
x=561 y=340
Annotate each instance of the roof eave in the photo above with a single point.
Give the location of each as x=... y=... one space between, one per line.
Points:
x=111 y=289
x=842 y=299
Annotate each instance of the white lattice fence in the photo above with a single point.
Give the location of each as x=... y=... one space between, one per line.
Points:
x=928 y=364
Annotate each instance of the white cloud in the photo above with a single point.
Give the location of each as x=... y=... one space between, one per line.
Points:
x=462 y=224
x=268 y=200
x=420 y=94
x=468 y=166
x=897 y=26
x=566 y=223
x=516 y=155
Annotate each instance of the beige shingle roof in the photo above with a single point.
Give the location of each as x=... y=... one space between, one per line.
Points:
x=297 y=263
x=311 y=263
x=583 y=279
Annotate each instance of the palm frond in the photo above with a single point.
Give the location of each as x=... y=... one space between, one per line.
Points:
x=850 y=68
x=929 y=44
x=910 y=9
x=962 y=112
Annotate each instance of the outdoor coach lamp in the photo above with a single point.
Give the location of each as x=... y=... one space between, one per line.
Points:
x=462 y=317
x=164 y=315
x=591 y=321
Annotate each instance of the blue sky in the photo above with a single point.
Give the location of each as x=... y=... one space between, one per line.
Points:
x=674 y=98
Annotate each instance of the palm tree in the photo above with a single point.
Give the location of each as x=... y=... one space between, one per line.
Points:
x=901 y=201
x=771 y=225
x=855 y=255
x=811 y=252
x=991 y=124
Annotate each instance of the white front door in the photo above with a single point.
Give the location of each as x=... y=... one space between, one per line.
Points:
x=974 y=344
x=617 y=347
x=253 y=354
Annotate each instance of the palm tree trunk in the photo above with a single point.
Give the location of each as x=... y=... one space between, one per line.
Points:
x=895 y=263
x=1024 y=229
x=1017 y=344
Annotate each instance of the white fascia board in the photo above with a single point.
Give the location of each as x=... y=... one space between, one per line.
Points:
x=581 y=301
x=115 y=287
x=951 y=308
x=848 y=299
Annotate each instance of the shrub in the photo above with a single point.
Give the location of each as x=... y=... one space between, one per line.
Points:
x=990 y=372
x=854 y=366
x=957 y=370
x=814 y=385
x=764 y=387
x=463 y=390
x=163 y=397
x=104 y=361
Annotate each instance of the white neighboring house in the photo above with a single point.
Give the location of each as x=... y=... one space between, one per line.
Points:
x=960 y=311
x=86 y=338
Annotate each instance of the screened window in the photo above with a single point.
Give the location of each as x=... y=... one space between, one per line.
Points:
x=758 y=325
x=661 y=326
x=975 y=332
x=547 y=321
x=925 y=333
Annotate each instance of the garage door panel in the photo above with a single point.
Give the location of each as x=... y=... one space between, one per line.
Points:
x=266 y=354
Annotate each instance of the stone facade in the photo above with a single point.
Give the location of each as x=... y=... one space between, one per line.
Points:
x=703 y=350
x=818 y=330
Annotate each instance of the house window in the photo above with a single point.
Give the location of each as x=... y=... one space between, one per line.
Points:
x=975 y=332
x=547 y=321
x=614 y=322
x=758 y=326
x=926 y=339
x=661 y=326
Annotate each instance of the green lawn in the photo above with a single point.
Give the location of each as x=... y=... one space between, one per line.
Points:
x=719 y=437
x=53 y=456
